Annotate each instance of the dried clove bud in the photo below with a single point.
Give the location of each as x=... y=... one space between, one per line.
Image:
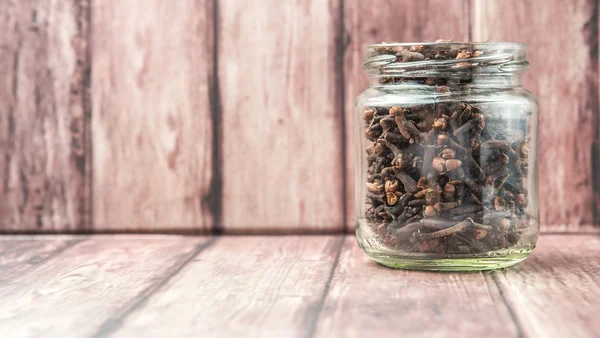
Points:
x=408 y=56
x=386 y=49
x=387 y=172
x=440 y=123
x=520 y=199
x=448 y=153
x=402 y=161
x=479 y=233
x=392 y=198
x=432 y=245
x=499 y=203
x=449 y=190
x=375 y=149
x=400 y=118
x=375 y=187
x=500 y=223
x=422 y=183
x=387 y=123
x=441 y=206
x=369 y=113
x=500 y=161
x=408 y=182
x=416 y=48
x=391 y=186
x=465 y=128
x=453 y=164
x=463 y=54
x=438 y=164
x=416 y=203
x=524 y=149
x=433 y=195
x=429 y=211
x=457 y=173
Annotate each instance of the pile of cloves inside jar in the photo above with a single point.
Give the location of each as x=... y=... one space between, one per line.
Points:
x=439 y=180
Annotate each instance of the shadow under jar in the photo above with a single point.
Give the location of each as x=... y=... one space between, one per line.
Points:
x=447 y=157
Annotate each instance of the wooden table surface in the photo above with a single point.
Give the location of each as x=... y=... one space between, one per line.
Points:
x=287 y=286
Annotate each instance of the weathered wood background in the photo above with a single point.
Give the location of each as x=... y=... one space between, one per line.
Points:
x=235 y=116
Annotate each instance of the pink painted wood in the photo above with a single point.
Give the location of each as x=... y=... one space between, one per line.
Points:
x=79 y=291
x=387 y=302
x=243 y=286
x=44 y=174
x=152 y=135
x=140 y=117
x=556 y=292
x=292 y=286
x=20 y=255
x=282 y=146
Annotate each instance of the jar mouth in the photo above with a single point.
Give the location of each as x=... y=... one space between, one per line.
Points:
x=445 y=59
x=460 y=44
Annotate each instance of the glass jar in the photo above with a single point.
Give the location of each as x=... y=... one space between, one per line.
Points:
x=446 y=156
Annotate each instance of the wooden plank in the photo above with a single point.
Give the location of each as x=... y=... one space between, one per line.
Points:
x=281 y=116
x=556 y=292
x=376 y=21
x=74 y=293
x=392 y=302
x=596 y=124
x=44 y=71
x=567 y=88
x=309 y=286
x=242 y=286
x=19 y=256
x=152 y=119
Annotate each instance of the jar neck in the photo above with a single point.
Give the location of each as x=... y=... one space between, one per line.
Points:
x=462 y=64
x=487 y=80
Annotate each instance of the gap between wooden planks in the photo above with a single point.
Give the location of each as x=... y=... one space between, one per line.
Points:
x=297 y=286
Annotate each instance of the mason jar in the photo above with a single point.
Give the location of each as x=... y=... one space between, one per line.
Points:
x=446 y=155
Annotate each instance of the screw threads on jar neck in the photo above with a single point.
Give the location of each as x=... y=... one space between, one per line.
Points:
x=446 y=63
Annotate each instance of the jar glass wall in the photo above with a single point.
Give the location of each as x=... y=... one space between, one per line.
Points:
x=446 y=157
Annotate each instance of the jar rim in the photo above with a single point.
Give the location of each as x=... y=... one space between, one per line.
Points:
x=483 y=44
x=445 y=58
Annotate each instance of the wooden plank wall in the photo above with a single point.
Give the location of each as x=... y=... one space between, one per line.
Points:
x=235 y=116
x=44 y=116
x=151 y=123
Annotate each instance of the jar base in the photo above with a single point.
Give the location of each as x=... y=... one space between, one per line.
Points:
x=492 y=261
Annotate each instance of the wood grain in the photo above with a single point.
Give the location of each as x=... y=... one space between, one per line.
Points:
x=76 y=292
x=43 y=116
x=367 y=22
x=365 y=296
x=152 y=132
x=19 y=256
x=284 y=286
x=556 y=292
x=242 y=286
x=562 y=38
x=177 y=122
x=281 y=117
x=596 y=121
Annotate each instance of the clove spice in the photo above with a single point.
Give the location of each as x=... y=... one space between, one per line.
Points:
x=440 y=179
